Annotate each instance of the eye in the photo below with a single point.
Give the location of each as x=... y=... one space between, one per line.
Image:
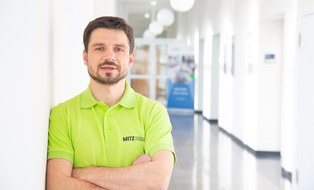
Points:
x=99 y=49
x=117 y=49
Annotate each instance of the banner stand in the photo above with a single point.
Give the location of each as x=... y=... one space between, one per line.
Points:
x=180 y=96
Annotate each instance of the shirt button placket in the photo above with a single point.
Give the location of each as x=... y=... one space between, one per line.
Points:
x=107 y=128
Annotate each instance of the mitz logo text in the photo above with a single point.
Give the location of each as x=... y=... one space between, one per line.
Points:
x=133 y=138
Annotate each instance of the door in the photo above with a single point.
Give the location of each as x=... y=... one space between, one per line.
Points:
x=305 y=103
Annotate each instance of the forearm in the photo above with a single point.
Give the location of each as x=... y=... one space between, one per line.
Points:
x=133 y=177
x=69 y=183
x=59 y=177
x=149 y=175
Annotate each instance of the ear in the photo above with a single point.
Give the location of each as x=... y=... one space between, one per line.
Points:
x=131 y=59
x=85 y=57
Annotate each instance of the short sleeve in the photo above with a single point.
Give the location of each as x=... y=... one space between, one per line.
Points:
x=59 y=142
x=158 y=131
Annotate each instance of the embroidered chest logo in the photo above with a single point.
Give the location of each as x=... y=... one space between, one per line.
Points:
x=133 y=138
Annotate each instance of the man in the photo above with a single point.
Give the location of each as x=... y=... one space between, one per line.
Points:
x=109 y=137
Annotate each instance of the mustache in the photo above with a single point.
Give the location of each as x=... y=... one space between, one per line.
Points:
x=108 y=63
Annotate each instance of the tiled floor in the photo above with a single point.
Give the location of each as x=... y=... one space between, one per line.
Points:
x=208 y=159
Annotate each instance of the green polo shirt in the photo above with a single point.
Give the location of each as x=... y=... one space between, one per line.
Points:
x=89 y=133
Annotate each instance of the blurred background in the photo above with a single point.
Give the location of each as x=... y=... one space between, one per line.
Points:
x=245 y=67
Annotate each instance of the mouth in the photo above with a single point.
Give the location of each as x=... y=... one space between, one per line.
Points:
x=108 y=67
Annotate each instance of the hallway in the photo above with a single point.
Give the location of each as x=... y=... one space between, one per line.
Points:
x=208 y=159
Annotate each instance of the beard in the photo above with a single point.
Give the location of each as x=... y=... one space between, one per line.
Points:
x=109 y=78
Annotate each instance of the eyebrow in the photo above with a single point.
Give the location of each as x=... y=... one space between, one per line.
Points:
x=103 y=44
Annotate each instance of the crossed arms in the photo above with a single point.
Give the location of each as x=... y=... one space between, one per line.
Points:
x=145 y=173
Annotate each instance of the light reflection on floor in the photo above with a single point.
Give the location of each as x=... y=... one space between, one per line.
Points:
x=207 y=159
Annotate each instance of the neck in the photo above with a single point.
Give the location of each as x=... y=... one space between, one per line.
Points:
x=109 y=94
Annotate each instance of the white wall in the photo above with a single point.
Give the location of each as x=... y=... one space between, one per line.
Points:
x=269 y=85
x=268 y=101
x=250 y=91
x=305 y=6
x=25 y=93
x=305 y=103
x=225 y=75
x=242 y=96
x=199 y=68
x=41 y=66
x=304 y=107
x=104 y=8
x=70 y=76
x=241 y=31
x=246 y=93
x=288 y=140
x=211 y=77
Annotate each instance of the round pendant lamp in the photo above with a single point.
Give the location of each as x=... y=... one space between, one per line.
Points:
x=182 y=5
x=156 y=28
x=165 y=17
x=148 y=34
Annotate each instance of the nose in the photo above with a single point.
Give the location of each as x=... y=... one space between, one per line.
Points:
x=109 y=55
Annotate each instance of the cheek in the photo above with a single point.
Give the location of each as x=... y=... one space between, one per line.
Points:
x=94 y=57
x=94 y=61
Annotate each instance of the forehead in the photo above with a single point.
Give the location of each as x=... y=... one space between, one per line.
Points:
x=108 y=36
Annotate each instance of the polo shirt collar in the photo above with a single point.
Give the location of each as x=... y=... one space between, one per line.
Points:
x=128 y=99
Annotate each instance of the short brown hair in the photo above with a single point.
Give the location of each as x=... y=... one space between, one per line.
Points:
x=108 y=22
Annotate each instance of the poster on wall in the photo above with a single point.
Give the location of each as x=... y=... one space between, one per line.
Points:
x=181 y=77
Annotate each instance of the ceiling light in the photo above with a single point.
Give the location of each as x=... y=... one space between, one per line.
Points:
x=146 y=15
x=182 y=5
x=153 y=3
x=148 y=34
x=156 y=28
x=165 y=17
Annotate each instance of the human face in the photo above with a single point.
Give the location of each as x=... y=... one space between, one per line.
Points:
x=108 y=58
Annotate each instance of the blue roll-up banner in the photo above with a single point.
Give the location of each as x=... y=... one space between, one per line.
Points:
x=181 y=77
